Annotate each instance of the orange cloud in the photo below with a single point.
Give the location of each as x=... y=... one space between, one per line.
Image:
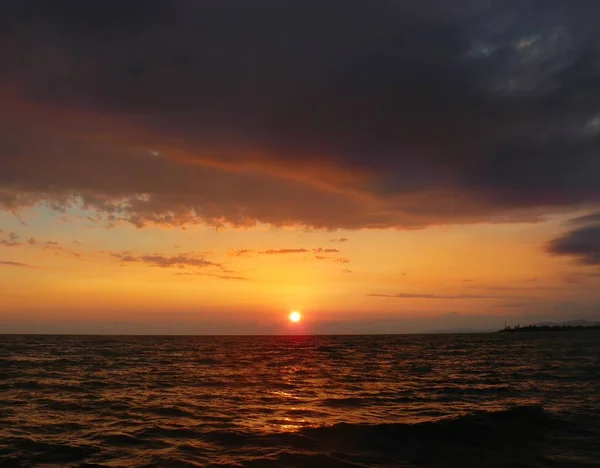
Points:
x=162 y=261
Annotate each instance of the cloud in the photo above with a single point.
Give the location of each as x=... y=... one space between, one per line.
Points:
x=433 y=296
x=248 y=252
x=14 y=264
x=12 y=241
x=512 y=288
x=333 y=259
x=515 y=305
x=341 y=239
x=214 y=275
x=7 y=243
x=583 y=244
x=162 y=261
x=325 y=251
x=593 y=218
x=283 y=251
x=402 y=115
x=240 y=252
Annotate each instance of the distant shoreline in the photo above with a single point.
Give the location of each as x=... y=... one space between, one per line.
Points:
x=545 y=328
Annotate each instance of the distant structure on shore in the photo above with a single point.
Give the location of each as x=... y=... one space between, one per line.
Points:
x=553 y=327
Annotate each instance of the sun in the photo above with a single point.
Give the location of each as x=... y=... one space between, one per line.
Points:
x=295 y=316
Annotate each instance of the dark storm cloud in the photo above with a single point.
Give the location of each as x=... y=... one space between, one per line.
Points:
x=328 y=114
x=582 y=243
x=593 y=218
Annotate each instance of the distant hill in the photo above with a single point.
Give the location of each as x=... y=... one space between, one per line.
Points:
x=571 y=325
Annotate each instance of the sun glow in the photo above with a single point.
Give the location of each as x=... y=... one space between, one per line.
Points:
x=295 y=316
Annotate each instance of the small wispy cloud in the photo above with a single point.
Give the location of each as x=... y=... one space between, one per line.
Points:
x=249 y=252
x=12 y=241
x=214 y=275
x=433 y=296
x=14 y=264
x=283 y=251
x=332 y=259
x=512 y=288
x=240 y=252
x=163 y=261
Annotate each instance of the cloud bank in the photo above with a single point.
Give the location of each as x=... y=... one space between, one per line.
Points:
x=582 y=243
x=332 y=115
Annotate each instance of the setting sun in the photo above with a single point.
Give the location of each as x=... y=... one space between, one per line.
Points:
x=295 y=316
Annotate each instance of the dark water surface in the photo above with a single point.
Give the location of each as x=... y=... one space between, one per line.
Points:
x=354 y=401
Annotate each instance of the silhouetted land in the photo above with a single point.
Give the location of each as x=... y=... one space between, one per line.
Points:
x=544 y=328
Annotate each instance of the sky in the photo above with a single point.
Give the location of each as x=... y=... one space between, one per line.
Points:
x=381 y=167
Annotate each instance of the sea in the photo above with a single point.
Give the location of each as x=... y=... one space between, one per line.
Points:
x=472 y=400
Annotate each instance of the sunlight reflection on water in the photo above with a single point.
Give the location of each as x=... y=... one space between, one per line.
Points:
x=118 y=398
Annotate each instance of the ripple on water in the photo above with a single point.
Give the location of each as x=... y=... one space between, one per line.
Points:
x=309 y=401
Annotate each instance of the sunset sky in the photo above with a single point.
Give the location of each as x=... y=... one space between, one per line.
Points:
x=209 y=166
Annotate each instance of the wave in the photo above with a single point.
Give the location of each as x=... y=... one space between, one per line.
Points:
x=173 y=411
x=505 y=435
x=208 y=361
x=500 y=438
x=39 y=451
x=124 y=440
x=519 y=419
x=516 y=419
x=345 y=402
x=473 y=390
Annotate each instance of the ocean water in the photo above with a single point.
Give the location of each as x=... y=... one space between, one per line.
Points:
x=487 y=400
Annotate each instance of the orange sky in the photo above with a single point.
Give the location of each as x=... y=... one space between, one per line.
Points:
x=191 y=167
x=77 y=275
